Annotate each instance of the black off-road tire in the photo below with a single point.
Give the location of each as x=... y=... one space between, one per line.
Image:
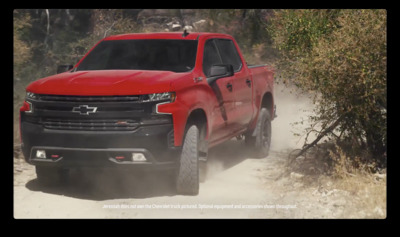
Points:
x=187 y=179
x=260 y=140
x=51 y=176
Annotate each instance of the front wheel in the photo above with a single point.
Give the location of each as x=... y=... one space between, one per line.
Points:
x=260 y=140
x=187 y=179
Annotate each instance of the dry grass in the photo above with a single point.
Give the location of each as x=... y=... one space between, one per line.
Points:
x=368 y=194
x=358 y=177
x=365 y=188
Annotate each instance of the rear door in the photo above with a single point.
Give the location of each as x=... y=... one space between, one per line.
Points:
x=241 y=83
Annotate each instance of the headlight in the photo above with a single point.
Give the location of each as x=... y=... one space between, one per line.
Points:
x=31 y=95
x=166 y=96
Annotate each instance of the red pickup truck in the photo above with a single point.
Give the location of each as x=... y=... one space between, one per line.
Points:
x=151 y=100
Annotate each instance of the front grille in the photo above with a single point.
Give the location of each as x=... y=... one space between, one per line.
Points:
x=91 y=124
x=94 y=113
x=63 y=98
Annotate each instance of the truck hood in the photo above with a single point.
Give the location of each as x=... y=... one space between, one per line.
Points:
x=106 y=82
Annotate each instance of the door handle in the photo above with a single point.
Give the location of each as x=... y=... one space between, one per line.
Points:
x=248 y=82
x=229 y=86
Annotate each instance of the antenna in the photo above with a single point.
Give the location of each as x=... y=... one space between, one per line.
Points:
x=185 y=33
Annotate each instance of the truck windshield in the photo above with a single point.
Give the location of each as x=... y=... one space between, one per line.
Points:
x=150 y=54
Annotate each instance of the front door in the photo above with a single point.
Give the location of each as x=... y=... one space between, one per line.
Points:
x=241 y=83
x=223 y=91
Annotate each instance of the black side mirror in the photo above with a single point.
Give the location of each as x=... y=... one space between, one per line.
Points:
x=64 y=68
x=220 y=71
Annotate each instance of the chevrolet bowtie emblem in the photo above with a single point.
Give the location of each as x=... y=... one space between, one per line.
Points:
x=84 y=110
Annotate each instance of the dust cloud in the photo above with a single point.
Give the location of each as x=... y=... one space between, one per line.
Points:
x=291 y=107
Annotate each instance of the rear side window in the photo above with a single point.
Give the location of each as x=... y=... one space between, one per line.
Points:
x=210 y=57
x=229 y=54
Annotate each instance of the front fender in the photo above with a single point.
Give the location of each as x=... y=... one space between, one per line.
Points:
x=188 y=100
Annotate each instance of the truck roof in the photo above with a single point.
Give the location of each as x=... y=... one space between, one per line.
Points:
x=163 y=35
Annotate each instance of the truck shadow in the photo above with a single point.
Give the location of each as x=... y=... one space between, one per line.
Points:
x=106 y=184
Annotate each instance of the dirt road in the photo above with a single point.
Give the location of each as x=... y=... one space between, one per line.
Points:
x=236 y=187
x=233 y=179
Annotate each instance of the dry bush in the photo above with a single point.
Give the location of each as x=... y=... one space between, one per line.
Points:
x=345 y=166
x=339 y=56
x=333 y=160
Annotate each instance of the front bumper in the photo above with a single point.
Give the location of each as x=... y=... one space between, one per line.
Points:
x=100 y=148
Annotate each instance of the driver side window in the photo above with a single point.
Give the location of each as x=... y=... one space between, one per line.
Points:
x=210 y=57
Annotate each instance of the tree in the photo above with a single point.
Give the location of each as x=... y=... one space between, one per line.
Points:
x=103 y=23
x=340 y=57
x=248 y=27
x=22 y=51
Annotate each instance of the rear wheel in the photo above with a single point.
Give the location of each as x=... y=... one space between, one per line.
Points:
x=260 y=140
x=187 y=179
